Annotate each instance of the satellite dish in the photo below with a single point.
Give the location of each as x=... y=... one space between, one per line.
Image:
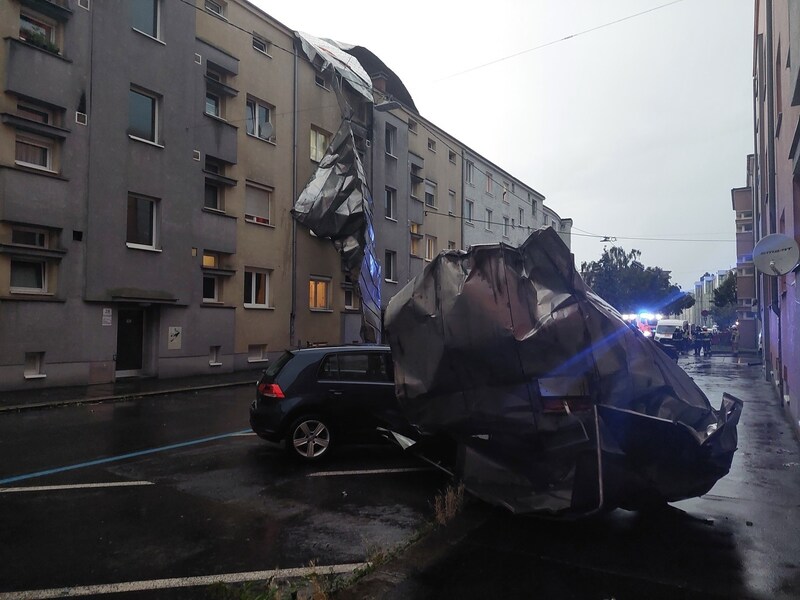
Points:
x=267 y=130
x=776 y=254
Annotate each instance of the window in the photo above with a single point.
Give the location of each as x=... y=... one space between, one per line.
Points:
x=144 y=16
x=745 y=227
x=430 y=247
x=212 y=105
x=469 y=208
x=211 y=285
x=390 y=266
x=213 y=198
x=261 y=44
x=416 y=180
x=489 y=183
x=34 y=363
x=28 y=276
x=452 y=207
x=38 y=31
x=256 y=352
x=505 y=192
x=451 y=245
x=142 y=219
x=391 y=139
x=488 y=219
x=29 y=237
x=34 y=151
x=505 y=226
x=215 y=356
x=319 y=294
x=259 y=120
x=257 y=204
x=521 y=217
x=143 y=115
x=320 y=81
x=256 y=288
x=216 y=8
x=350 y=299
x=430 y=194
x=412 y=126
x=534 y=206
x=470 y=172
x=42 y=115
x=319 y=144
x=415 y=231
x=553 y=224
x=451 y=156
x=390 y=203
x=210 y=260
x=431 y=144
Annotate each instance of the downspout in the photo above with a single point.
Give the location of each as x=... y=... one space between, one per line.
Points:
x=463 y=198
x=292 y=315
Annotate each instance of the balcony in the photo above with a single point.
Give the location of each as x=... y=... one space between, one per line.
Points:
x=217 y=137
x=53 y=73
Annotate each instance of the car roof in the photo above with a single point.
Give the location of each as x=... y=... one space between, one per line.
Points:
x=342 y=348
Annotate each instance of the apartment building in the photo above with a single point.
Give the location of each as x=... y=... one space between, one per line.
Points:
x=145 y=213
x=747 y=302
x=776 y=187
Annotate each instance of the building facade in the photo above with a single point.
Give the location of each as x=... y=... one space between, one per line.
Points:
x=145 y=213
x=747 y=302
x=776 y=187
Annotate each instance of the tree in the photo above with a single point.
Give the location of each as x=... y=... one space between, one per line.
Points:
x=625 y=283
x=724 y=310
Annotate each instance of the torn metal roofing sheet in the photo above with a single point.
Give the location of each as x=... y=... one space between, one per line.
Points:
x=549 y=401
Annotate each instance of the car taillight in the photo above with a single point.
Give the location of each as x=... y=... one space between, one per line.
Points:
x=270 y=390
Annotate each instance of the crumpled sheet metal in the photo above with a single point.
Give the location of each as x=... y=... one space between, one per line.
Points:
x=336 y=204
x=327 y=54
x=552 y=402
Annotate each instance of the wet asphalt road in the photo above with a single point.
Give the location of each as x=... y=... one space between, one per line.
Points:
x=228 y=504
x=741 y=540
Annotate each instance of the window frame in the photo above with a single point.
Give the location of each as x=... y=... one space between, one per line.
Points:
x=317 y=153
x=265 y=221
x=154 y=119
x=470 y=172
x=252 y=274
x=390 y=203
x=432 y=185
x=266 y=43
x=430 y=247
x=156 y=22
x=17 y=289
x=220 y=14
x=390 y=140
x=154 y=223
x=252 y=119
x=390 y=266
x=315 y=280
x=489 y=213
x=470 y=211
x=36 y=141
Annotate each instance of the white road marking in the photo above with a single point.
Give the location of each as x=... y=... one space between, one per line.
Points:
x=367 y=472
x=77 y=486
x=244 y=434
x=178 y=582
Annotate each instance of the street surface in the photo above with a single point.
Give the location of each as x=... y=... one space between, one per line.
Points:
x=186 y=492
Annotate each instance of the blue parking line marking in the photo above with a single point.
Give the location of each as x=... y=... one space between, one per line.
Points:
x=109 y=459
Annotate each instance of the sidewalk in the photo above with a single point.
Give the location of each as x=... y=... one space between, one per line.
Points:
x=120 y=390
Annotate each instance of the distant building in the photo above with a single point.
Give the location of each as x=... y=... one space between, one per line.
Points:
x=747 y=302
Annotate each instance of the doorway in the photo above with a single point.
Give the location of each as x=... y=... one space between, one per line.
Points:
x=130 y=342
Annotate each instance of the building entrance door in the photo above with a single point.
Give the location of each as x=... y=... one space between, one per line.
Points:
x=130 y=342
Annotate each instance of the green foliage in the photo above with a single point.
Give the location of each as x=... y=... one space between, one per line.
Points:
x=625 y=283
x=726 y=293
x=40 y=41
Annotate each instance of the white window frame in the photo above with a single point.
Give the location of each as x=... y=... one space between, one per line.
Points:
x=249 y=217
x=252 y=114
x=157 y=18
x=42 y=264
x=215 y=8
x=412 y=126
x=156 y=115
x=326 y=281
x=505 y=226
x=41 y=22
x=38 y=142
x=430 y=247
x=489 y=183
x=470 y=172
x=252 y=274
x=257 y=39
x=217 y=105
x=215 y=299
x=34 y=365
x=433 y=193
x=521 y=221
x=390 y=203
x=38 y=232
x=451 y=156
x=319 y=140
x=390 y=266
x=451 y=209
x=470 y=210
x=390 y=133
x=215 y=356
x=432 y=145
x=489 y=214
x=154 y=229
x=257 y=353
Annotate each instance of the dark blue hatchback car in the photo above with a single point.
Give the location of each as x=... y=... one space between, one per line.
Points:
x=316 y=398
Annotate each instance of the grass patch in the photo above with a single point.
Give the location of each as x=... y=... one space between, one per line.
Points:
x=448 y=503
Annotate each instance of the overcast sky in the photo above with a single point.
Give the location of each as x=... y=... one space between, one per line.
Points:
x=638 y=129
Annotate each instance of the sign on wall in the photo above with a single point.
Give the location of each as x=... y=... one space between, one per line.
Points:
x=107 y=317
x=174 y=339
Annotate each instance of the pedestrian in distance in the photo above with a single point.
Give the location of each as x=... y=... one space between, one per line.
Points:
x=698 y=341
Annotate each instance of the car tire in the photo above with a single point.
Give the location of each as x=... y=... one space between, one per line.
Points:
x=309 y=438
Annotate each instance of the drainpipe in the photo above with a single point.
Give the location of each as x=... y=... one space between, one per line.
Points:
x=292 y=315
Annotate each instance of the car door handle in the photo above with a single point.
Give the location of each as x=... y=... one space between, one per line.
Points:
x=335 y=392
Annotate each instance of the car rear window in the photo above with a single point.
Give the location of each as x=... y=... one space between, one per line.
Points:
x=275 y=367
x=356 y=366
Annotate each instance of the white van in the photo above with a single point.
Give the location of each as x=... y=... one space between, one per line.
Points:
x=666 y=327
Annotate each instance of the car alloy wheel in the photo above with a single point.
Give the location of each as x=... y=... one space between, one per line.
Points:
x=310 y=438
